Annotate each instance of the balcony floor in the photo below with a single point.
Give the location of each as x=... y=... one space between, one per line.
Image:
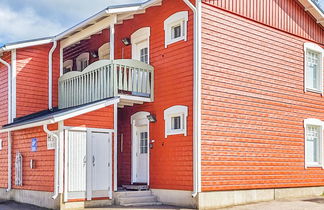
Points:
x=128 y=100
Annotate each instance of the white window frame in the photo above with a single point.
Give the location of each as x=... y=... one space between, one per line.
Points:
x=176 y=111
x=103 y=51
x=81 y=58
x=317 y=49
x=138 y=37
x=68 y=64
x=319 y=123
x=174 y=20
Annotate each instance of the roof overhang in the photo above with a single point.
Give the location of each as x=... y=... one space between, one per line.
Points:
x=312 y=8
x=28 y=43
x=110 y=15
x=59 y=115
x=123 y=12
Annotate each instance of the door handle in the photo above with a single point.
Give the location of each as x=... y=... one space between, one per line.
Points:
x=85 y=161
x=93 y=161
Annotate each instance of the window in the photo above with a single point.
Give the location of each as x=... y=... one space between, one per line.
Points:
x=104 y=52
x=140 y=45
x=143 y=143
x=176 y=31
x=144 y=55
x=313 y=143
x=176 y=120
x=67 y=66
x=313 y=68
x=175 y=28
x=82 y=61
x=176 y=123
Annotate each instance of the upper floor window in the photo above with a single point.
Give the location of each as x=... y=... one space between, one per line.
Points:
x=313 y=143
x=82 y=61
x=104 y=51
x=175 y=28
x=67 y=66
x=176 y=120
x=314 y=55
x=140 y=45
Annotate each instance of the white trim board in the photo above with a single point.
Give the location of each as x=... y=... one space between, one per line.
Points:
x=65 y=115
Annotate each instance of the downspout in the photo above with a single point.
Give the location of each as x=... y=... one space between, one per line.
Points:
x=197 y=97
x=50 y=75
x=9 y=120
x=56 y=164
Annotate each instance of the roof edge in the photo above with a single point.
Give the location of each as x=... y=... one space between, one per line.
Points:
x=60 y=116
x=26 y=43
x=115 y=9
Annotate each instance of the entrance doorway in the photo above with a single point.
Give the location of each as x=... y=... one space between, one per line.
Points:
x=140 y=148
x=88 y=164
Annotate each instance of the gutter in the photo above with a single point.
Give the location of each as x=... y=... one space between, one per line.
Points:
x=50 y=75
x=9 y=120
x=56 y=164
x=197 y=97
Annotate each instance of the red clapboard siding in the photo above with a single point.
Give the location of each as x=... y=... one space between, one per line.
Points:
x=254 y=105
x=4 y=119
x=32 y=79
x=171 y=158
x=40 y=178
x=286 y=15
x=103 y=118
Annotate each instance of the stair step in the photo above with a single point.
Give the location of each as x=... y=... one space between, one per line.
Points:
x=136 y=187
x=136 y=194
x=143 y=199
x=143 y=204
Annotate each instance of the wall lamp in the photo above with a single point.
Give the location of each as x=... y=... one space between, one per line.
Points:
x=94 y=54
x=151 y=118
x=126 y=41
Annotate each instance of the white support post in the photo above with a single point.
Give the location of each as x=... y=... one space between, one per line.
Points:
x=61 y=156
x=115 y=145
x=112 y=37
x=13 y=83
x=61 y=61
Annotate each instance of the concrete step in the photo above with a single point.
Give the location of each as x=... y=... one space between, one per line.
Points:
x=144 y=204
x=133 y=194
x=137 y=199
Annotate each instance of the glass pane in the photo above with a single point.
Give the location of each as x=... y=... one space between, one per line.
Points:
x=144 y=55
x=313 y=143
x=176 y=31
x=313 y=69
x=176 y=123
x=143 y=142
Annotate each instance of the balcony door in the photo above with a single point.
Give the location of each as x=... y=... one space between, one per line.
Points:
x=141 y=45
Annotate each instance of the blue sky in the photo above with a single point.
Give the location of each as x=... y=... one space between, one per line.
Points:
x=29 y=19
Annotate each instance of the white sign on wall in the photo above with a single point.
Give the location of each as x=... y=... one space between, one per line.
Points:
x=0 y=144
x=50 y=142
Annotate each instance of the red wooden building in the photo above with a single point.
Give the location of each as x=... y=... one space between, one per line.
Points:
x=205 y=104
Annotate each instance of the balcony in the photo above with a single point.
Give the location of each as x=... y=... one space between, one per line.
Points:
x=131 y=80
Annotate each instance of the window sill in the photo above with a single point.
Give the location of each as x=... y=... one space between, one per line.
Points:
x=170 y=42
x=171 y=133
x=314 y=90
x=313 y=165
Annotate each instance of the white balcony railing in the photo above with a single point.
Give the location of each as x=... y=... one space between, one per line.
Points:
x=104 y=79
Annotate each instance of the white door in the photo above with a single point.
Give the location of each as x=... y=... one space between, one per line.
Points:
x=76 y=164
x=142 y=150
x=101 y=164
